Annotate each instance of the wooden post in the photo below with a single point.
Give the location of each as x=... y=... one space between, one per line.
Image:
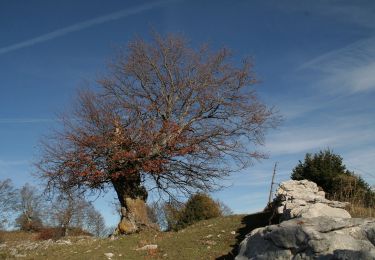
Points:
x=272 y=183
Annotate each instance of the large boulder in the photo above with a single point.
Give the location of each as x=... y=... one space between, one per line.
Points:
x=312 y=238
x=304 y=199
x=313 y=227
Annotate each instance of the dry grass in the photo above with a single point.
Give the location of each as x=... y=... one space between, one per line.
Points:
x=361 y=212
x=208 y=239
x=17 y=236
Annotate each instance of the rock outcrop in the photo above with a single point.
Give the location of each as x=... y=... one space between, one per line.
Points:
x=304 y=199
x=312 y=238
x=313 y=228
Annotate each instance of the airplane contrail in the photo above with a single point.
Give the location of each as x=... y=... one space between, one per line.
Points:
x=82 y=25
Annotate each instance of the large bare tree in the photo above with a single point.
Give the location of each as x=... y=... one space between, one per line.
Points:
x=166 y=116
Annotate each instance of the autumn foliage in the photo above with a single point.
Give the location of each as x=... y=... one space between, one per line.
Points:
x=167 y=115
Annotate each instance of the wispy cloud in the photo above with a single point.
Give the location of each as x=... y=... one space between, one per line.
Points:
x=82 y=25
x=360 y=13
x=4 y=163
x=329 y=133
x=361 y=161
x=26 y=120
x=348 y=69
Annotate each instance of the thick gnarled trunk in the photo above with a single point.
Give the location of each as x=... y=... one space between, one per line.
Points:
x=132 y=197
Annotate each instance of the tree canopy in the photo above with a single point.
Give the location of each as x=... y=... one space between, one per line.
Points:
x=167 y=116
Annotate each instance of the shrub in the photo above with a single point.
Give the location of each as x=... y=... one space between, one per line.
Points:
x=327 y=170
x=77 y=231
x=50 y=233
x=199 y=207
x=321 y=168
x=29 y=224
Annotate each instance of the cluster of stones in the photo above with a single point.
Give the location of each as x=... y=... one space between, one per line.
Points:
x=313 y=227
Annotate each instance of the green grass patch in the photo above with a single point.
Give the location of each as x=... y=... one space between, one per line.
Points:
x=209 y=239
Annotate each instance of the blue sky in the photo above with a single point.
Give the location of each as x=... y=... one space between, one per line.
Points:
x=315 y=61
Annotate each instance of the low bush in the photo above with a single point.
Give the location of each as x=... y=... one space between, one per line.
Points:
x=28 y=224
x=50 y=233
x=78 y=232
x=200 y=206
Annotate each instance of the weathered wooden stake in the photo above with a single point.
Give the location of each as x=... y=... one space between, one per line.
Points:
x=272 y=183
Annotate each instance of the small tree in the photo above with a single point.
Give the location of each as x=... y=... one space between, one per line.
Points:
x=166 y=115
x=70 y=211
x=225 y=210
x=327 y=170
x=8 y=201
x=31 y=206
x=67 y=211
x=94 y=222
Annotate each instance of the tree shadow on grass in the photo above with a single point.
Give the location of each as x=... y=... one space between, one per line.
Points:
x=250 y=222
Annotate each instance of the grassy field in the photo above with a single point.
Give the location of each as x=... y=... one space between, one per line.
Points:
x=210 y=239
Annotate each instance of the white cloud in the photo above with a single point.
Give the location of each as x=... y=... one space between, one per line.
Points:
x=330 y=133
x=82 y=25
x=349 y=69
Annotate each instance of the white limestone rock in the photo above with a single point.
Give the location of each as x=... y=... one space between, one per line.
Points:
x=313 y=227
x=304 y=199
x=312 y=238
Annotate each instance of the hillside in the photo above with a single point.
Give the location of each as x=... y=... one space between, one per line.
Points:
x=209 y=239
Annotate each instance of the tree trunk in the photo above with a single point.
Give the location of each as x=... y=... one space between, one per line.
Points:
x=132 y=197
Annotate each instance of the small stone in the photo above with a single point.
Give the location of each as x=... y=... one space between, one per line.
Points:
x=209 y=242
x=64 y=242
x=109 y=255
x=148 y=247
x=209 y=236
x=233 y=232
